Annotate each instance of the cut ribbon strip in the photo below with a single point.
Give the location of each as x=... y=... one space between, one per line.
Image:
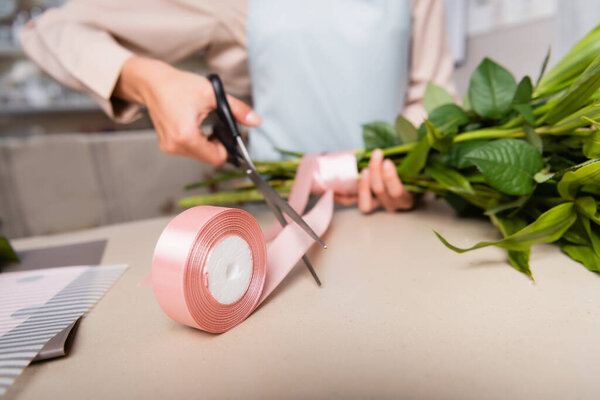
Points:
x=211 y=266
x=317 y=174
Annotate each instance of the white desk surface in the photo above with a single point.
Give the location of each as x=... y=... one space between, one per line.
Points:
x=398 y=316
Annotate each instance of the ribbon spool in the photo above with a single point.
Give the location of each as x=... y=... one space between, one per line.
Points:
x=209 y=267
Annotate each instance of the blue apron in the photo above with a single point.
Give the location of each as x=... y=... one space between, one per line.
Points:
x=322 y=68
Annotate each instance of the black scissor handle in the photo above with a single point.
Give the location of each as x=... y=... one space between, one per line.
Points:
x=226 y=136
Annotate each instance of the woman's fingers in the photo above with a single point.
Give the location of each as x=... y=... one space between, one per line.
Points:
x=390 y=178
x=366 y=202
x=380 y=185
x=188 y=140
x=377 y=182
x=204 y=149
x=401 y=198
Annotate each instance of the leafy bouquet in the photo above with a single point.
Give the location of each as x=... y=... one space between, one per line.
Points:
x=526 y=156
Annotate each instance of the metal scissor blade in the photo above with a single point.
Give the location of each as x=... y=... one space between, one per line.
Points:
x=283 y=222
x=283 y=205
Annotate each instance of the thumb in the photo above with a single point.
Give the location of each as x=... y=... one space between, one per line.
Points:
x=243 y=113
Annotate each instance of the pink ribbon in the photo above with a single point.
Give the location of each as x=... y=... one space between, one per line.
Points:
x=317 y=174
x=179 y=276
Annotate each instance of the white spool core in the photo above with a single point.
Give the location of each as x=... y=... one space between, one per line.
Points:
x=229 y=269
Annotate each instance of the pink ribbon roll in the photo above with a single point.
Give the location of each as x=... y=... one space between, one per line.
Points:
x=211 y=267
x=200 y=266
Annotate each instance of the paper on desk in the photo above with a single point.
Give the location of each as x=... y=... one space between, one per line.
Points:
x=83 y=253
x=37 y=305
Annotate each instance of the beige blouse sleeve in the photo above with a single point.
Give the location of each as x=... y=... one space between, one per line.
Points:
x=430 y=56
x=85 y=43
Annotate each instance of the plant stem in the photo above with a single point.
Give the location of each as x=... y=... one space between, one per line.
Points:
x=232 y=197
x=489 y=133
x=221 y=178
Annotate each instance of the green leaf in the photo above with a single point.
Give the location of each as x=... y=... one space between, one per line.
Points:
x=448 y=118
x=439 y=141
x=379 y=135
x=592 y=236
x=577 y=95
x=519 y=259
x=519 y=202
x=521 y=101
x=591 y=145
x=588 y=207
x=576 y=235
x=463 y=207
x=549 y=227
x=533 y=138
x=572 y=181
x=571 y=122
x=508 y=165
x=523 y=92
x=456 y=156
x=405 y=130
x=571 y=65
x=7 y=254
x=583 y=254
x=415 y=160
x=435 y=96
x=508 y=226
x=491 y=90
x=544 y=66
x=449 y=178
x=526 y=112
x=466 y=104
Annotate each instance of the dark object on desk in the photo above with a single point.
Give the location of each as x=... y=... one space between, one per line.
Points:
x=85 y=253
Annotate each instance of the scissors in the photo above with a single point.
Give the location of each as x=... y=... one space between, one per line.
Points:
x=238 y=156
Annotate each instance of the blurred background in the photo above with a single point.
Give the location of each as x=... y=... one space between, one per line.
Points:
x=64 y=165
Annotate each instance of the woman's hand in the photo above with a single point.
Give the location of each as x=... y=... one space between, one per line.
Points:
x=379 y=186
x=178 y=102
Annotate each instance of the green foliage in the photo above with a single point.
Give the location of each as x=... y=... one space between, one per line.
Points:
x=549 y=227
x=7 y=254
x=571 y=65
x=527 y=158
x=378 y=135
x=449 y=178
x=448 y=118
x=405 y=130
x=591 y=145
x=435 y=96
x=572 y=181
x=491 y=90
x=456 y=156
x=415 y=161
x=522 y=99
x=578 y=93
x=519 y=259
x=508 y=165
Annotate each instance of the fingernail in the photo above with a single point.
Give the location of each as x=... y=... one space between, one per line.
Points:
x=388 y=164
x=378 y=153
x=365 y=172
x=252 y=118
